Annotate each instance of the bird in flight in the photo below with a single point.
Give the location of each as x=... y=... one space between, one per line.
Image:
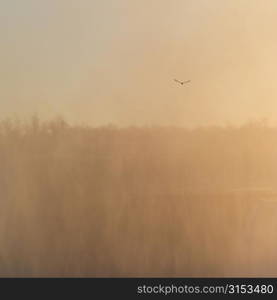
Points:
x=182 y=82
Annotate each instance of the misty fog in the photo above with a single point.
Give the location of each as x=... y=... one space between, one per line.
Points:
x=137 y=201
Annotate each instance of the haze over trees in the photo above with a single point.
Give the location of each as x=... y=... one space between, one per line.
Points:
x=137 y=201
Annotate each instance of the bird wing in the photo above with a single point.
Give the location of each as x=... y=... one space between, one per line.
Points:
x=182 y=82
x=178 y=81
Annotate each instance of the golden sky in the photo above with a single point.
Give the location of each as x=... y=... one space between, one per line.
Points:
x=114 y=61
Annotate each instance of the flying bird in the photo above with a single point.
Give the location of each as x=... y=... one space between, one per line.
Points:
x=182 y=82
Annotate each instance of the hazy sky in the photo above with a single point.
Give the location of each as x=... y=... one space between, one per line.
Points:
x=113 y=61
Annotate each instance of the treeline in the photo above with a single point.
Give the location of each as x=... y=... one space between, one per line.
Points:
x=108 y=201
x=144 y=158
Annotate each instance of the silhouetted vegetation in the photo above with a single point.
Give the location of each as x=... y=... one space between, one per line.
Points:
x=161 y=201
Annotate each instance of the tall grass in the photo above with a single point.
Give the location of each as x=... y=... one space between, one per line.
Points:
x=161 y=201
